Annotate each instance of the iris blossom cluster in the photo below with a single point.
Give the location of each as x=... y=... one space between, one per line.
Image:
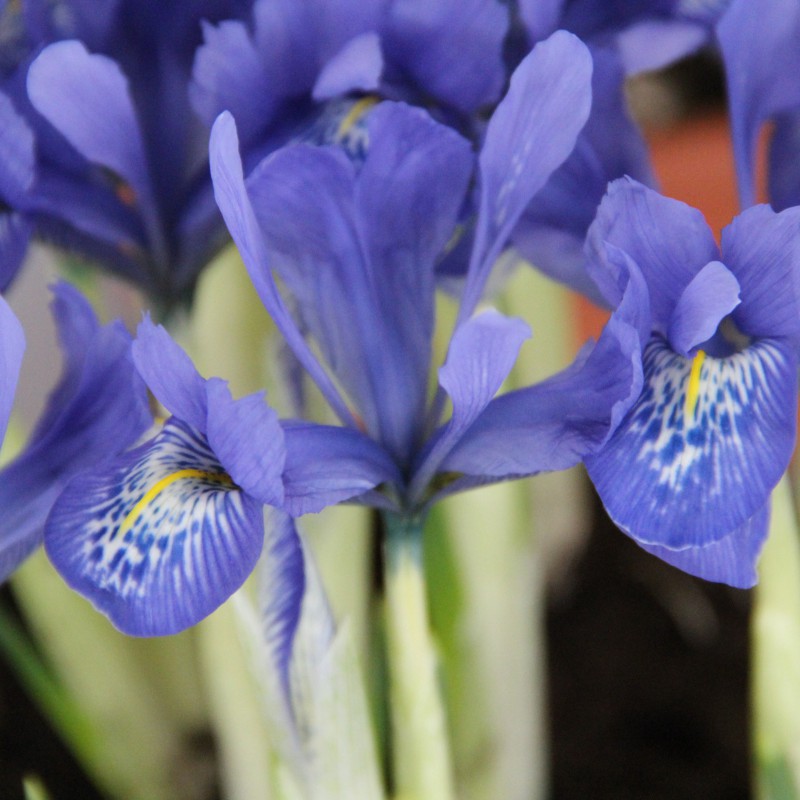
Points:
x=682 y=409
x=165 y=533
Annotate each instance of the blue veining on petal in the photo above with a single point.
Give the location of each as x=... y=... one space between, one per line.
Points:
x=155 y=549
x=681 y=476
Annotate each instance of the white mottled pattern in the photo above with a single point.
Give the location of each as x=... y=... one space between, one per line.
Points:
x=680 y=476
x=124 y=546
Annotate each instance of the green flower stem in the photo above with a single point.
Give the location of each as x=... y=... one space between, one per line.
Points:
x=498 y=713
x=776 y=656
x=236 y=713
x=135 y=743
x=420 y=744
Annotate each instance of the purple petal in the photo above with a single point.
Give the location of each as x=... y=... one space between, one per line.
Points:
x=17 y=155
x=552 y=231
x=86 y=97
x=452 y=48
x=327 y=465
x=408 y=196
x=730 y=560
x=762 y=60
x=98 y=408
x=248 y=441
x=704 y=445
x=158 y=538
x=170 y=374
x=668 y=240
x=540 y=17
x=234 y=202
x=368 y=244
x=655 y=44
x=12 y=346
x=304 y=198
x=15 y=235
x=357 y=67
x=90 y=211
x=482 y=352
x=283 y=582
x=784 y=165
x=227 y=74
x=762 y=249
x=556 y=423
x=711 y=295
x=531 y=133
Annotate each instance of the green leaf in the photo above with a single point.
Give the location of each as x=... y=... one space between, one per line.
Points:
x=776 y=655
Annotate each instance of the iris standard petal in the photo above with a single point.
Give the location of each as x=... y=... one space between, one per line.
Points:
x=158 y=538
x=227 y=74
x=357 y=250
x=554 y=424
x=452 y=48
x=482 y=353
x=783 y=173
x=15 y=235
x=762 y=249
x=702 y=448
x=234 y=202
x=248 y=440
x=552 y=231
x=759 y=47
x=668 y=240
x=86 y=98
x=17 y=154
x=730 y=560
x=530 y=134
x=327 y=465
x=541 y=17
x=655 y=44
x=170 y=374
x=408 y=196
x=709 y=297
x=357 y=67
x=304 y=200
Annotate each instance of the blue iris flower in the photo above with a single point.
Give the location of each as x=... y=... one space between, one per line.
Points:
x=166 y=533
x=294 y=56
x=689 y=471
x=99 y=147
x=98 y=408
x=759 y=43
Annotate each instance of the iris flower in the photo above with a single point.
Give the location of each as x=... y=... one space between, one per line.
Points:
x=355 y=245
x=98 y=407
x=294 y=56
x=100 y=150
x=689 y=471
